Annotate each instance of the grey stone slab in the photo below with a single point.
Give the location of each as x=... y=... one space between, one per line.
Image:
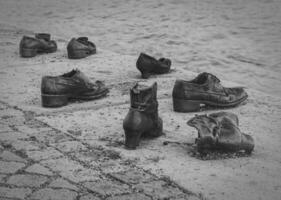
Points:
x=27 y=180
x=2 y=178
x=133 y=196
x=70 y=146
x=25 y=146
x=107 y=187
x=43 y=154
x=9 y=137
x=10 y=167
x=71 y=170
x=89 y=197
x=159 y=189
x=133 y=176
x=39 y=169
x=19 y=193
x=9 y=156
x=53 y=194
x=5 y=128
x=61 y=183
x=50 y=136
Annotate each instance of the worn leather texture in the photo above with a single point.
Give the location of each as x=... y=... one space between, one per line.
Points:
x=74 y=83
x=81 y=43
x=147 y=64
x=142 y=118
x=207 y=87
x=221 y=131
x=41 y=45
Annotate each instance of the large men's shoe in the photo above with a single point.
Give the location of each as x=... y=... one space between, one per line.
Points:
x=220 y=131
x=205 y=89
x=56 y=91
x=149 y=65
x=42 y=43
x=80 y=48
x=142 y=118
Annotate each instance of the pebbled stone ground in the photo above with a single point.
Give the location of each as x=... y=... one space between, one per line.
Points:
x=58 y=167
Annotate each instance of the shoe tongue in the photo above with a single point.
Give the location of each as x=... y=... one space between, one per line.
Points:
x=212 y=77
x=80 y=75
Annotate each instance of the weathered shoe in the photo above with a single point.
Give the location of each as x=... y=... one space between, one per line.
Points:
x=43 y=36
x=30 y=47
x=148 y=65
x=80 y=48
x=56 y=91
x=142 y=118
x=220 y=131
x=220 y=116
x=205 y=89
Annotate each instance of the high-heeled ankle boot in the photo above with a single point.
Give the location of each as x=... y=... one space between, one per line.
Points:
x=142 y=118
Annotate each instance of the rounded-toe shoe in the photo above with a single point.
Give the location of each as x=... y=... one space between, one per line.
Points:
x=41 y=43
x=205 y=89
x=148 y=65
x=57 y=91
x=80 y=48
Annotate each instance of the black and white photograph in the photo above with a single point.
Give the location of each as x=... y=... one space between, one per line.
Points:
x=140 y=100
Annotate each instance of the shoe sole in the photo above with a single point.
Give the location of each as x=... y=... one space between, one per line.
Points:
x=78 y=54
x=181 y=105
x=28 y=53
x=54 y=101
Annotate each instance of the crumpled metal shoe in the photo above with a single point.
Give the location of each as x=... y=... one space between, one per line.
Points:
x=41 y=43
x=80 y=48
x=220 y=131
x=56 y=91
x=205 y=89
x=148 y=65
x=142 y=118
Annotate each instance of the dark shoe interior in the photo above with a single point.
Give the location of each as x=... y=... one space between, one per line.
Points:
x=69 y=74
x=147 y=56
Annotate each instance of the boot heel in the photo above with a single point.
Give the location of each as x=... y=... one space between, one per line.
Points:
x=145 y=75
x=54 y=100
x=132 y=139
x=247 y=143
x=185 y=105
x=28 y=53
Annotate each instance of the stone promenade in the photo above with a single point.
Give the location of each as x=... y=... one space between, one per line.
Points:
x=39 y=162
x=77 y=152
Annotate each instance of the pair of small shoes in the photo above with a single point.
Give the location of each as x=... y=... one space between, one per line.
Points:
x=57 y=91
x=220 y=131
x=41 y=43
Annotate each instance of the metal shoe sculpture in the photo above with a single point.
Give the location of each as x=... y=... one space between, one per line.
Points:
x=148 y=65
x=41 y=43
x=220 y=131
x=80 y=48
x=57 y=91
x=205 y=89
x=142 y=118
